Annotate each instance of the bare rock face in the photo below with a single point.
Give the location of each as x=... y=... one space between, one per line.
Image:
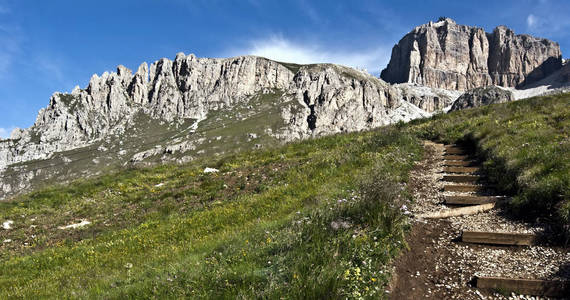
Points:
x=339 y=99
x=482 y=96
x=458 y=57
x=323 y=99
x=426 y=98
x=186 y=88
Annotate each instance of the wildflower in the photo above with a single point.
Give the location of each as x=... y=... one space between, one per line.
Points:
x=295 y=276
x=373 y=279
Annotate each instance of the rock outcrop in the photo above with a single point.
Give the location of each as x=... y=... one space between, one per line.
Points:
x=311 y=100
x=458 y=57
x=426 y=98
x=186 y=88
x=482 y=96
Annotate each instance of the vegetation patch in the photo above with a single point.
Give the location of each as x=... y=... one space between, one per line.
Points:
x=313 y=219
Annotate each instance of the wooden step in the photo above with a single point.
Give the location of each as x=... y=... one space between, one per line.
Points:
x=462 y=178
x=455 y=150
x=463 y=163
x=460 y=169
x=469 y=200
x=533 y=287
x=462 y=188
x=455 y=157
x=455 y=212
x=498 y=238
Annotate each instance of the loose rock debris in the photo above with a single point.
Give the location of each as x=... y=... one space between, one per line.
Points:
x=77 y=225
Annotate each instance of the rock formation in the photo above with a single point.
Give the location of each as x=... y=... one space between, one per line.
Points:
x=313 y=100
x=458 y=57
x=482 y=96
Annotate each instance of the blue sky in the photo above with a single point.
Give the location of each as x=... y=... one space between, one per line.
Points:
x=48 y=46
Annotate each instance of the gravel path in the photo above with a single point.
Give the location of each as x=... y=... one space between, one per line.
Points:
x=439 y=266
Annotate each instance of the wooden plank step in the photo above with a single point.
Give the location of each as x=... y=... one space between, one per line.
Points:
x=498 y=238
x=450 y=146
x=462 y=188
x=469 y=200
x=455 y=212
x=462 y=178
x=460 y=169
x=533 y=287
x=457 y=151
x=455 y=157
x=463 y=163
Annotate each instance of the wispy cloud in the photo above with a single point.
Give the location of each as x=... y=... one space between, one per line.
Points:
x=531 y=21
x=52 y=67
x=10 y=44
x=281 y=49
x=5 y=132
x=548 y=18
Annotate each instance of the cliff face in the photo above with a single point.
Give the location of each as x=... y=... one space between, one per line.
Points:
x=186 y=88
x=188 y=104
x=458 y=57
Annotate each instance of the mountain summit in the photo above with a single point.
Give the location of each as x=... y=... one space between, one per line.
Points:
x=459 y=57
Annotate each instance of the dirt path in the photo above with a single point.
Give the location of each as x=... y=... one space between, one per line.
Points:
x=439 y=266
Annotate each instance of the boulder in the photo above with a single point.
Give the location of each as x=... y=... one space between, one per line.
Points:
x=482 y=96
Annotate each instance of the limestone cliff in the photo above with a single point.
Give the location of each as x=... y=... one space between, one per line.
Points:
x=127 y=116
x=458 y=57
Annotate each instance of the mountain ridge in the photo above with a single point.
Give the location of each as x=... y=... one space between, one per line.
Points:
x=180 y=109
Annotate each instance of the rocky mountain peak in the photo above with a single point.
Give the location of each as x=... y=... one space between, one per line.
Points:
x=447 y=55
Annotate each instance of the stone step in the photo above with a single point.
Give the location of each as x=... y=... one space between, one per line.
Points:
x=460 y=169
x=463 y=163
x=455 y=157
x=498 y=238
x=469 y=200
x=462 y=178
x=532 y=287
x=462 y=188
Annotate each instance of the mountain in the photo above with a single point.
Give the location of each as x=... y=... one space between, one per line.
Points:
x=176 y=110
x=187 y=108
x=459 y=57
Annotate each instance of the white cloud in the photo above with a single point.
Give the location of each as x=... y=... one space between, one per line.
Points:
x=5 y=132
x=531 y=21
x=282 y=49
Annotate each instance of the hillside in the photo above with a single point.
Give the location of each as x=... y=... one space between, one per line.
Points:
x=320 y=218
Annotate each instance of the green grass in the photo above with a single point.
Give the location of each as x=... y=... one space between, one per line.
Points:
x=526 y=148
x=314 y=219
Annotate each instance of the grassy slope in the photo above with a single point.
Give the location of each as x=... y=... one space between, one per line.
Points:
x=262 y=227
x=526 y=145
